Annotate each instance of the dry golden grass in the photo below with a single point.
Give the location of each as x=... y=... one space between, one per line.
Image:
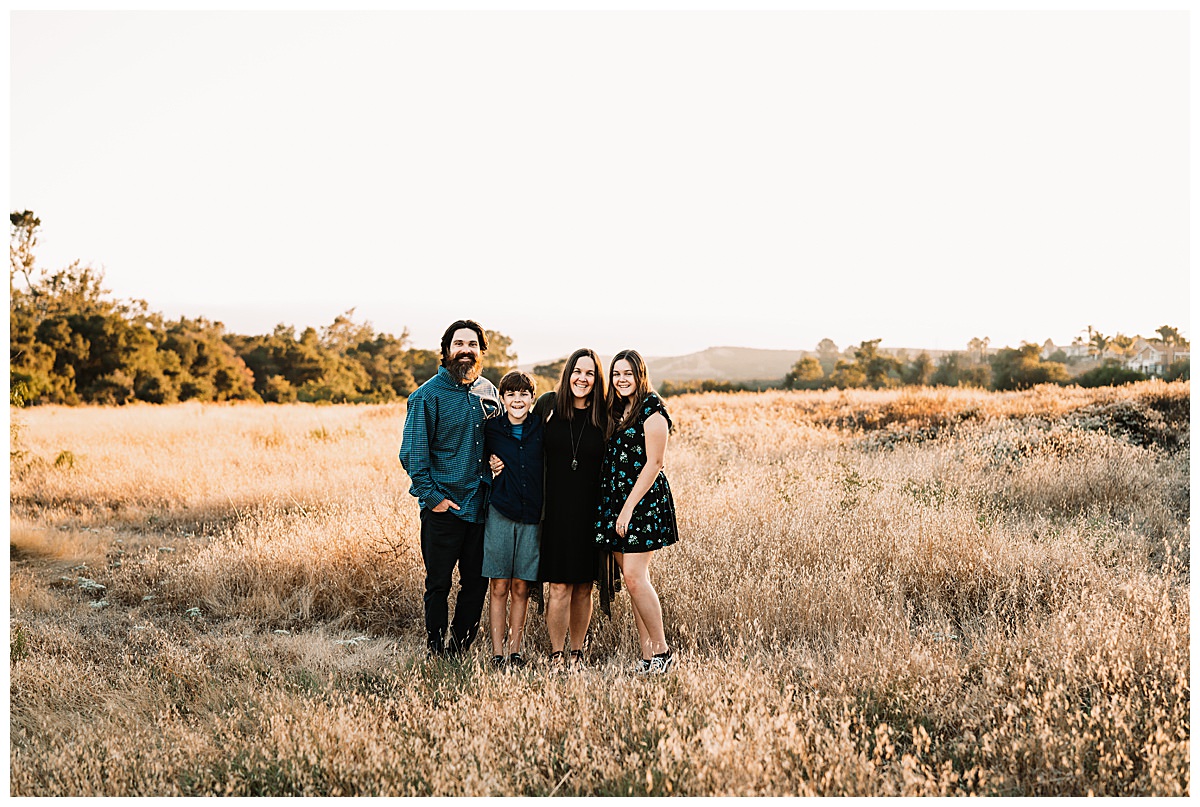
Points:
x=877 y=593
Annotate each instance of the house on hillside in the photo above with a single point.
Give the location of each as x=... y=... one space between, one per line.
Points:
x=1075 y=350
x=1153 y=357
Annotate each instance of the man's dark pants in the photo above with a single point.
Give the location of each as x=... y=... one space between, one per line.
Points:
x=447 y=540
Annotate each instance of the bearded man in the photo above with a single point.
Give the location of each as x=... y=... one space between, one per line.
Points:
x=442 y=451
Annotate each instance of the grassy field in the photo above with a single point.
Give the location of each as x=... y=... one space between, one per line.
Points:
x=876 y=593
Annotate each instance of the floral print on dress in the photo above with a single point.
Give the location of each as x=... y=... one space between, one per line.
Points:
x=653 y=524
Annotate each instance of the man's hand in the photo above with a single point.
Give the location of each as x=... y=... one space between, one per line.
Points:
x=444 y=505
x=496 y=464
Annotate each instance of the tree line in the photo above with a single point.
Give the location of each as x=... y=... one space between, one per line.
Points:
x=70 y=342
x=867 y=367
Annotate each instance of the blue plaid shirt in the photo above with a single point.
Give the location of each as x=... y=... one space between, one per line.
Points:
x=442 y=448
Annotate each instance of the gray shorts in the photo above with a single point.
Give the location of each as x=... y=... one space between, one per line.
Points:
x=510 y=548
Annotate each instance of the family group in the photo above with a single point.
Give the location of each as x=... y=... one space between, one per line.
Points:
x=566 y=489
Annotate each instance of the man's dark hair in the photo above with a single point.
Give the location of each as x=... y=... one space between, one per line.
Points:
x=516 y=381
x=458 y=325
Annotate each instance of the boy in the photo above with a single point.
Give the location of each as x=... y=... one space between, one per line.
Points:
x=510 y=536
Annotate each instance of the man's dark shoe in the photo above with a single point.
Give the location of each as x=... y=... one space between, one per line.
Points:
x=498 y=661
x=515 y=660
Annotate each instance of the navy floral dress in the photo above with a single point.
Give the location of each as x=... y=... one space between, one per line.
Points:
x=653 y=524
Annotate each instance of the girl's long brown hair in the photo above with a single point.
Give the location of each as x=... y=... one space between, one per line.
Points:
x=621 y=411
x=564 y=401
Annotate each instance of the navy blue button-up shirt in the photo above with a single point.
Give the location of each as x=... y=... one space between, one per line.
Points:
x=517 y=491
x=442 y=447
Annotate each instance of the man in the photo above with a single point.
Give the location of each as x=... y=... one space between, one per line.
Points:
x=442 y=451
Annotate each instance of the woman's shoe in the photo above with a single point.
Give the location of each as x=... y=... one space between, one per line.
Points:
x=556 y=660
x=576 y=660
x=497 y=661
x=662 y=663
x=515 y=660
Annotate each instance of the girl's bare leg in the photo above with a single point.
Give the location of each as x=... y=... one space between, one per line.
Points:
x=636 y=570
x=643 y=636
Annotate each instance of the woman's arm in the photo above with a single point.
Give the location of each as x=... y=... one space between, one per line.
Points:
x=656 y=453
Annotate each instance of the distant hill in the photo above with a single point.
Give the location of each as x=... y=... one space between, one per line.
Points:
x=718 y=363
x=733 y=363
x=724 y=364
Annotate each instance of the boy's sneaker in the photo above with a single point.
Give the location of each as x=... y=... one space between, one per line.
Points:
x=643 y=666
x=515 y=660
x=497 y=661
x=662 y=663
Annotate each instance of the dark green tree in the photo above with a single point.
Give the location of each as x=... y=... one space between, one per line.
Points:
x=805 y=374
x=878 y=369
x=552 y=370
x=1109 y=374
x=954 y=370
x=423 y=363
x=1180 y=370
x=1022 y=368
x=919 y=371
x=1171 y=335
x=847 y=375
x=499 y=358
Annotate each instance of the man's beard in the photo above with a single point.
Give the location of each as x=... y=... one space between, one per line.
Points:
x=465 y=366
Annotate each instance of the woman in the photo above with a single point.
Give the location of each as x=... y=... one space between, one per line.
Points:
x=637 y=512
x=576 y=418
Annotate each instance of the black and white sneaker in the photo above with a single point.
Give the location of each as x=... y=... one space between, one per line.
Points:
x=643 y=666
x=662 y=663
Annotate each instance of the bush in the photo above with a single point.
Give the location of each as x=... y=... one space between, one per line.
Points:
x=1112 y=374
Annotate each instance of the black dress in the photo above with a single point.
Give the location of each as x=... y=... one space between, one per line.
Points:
x=569 y=552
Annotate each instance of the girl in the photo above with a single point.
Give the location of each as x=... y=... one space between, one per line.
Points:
x=637 y=512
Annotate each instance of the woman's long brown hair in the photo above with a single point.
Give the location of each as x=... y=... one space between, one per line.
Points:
x=621 y=411
x=564 y=400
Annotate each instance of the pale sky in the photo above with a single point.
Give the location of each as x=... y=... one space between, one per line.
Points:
x=666 y=181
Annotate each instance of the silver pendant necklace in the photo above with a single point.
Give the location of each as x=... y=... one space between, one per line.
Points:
x=575 y=443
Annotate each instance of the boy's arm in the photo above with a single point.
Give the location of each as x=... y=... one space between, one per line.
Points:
x=414 y=451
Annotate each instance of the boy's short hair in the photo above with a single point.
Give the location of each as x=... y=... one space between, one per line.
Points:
x=517 y=381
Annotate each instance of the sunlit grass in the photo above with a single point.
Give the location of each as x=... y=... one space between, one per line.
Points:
x=876 y=593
